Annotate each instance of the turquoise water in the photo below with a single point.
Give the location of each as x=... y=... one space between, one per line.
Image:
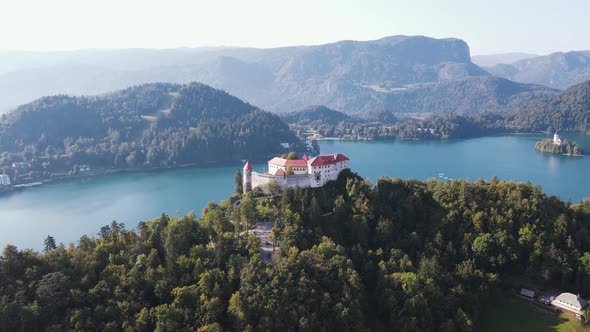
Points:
x=68 y=210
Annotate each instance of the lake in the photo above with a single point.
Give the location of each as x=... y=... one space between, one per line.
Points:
x=68 y=210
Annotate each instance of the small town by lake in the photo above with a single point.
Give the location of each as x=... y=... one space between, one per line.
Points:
x=70 y=209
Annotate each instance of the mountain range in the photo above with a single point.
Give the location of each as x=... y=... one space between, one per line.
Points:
x=488 y=60
x=557 y=70
x=400 y=74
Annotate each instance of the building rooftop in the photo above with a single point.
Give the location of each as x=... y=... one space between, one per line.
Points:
x=282 y=162
x=527 y=293
x=570 y=300
x=328 y=159
x=248 y=166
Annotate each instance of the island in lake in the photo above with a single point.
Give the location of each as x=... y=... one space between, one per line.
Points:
x=559 y=145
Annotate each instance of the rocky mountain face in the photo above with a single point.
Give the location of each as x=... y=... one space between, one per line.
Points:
x=558 y=70
x=351 y=76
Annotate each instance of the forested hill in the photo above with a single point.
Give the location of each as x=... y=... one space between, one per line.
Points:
x=568 y=111
x=317 y=116
x=399 y=256
x=466 y=96
x=141 y=125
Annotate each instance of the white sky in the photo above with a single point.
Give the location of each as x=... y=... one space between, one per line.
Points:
x=491 y=26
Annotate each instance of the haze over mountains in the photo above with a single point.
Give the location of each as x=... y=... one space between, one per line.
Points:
x=557 y=70
x=488 y=60
x=401 y=74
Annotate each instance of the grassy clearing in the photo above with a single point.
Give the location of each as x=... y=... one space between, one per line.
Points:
x=509 y=313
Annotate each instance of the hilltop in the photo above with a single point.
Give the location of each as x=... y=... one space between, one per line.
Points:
x=317 y=116
x=392 y=73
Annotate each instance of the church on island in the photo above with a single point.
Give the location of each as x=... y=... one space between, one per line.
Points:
x=557 y=140
x=304 y=172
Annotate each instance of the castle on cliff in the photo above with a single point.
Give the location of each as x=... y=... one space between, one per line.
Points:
x=303 y=173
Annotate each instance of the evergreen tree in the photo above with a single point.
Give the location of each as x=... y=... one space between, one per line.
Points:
x=289 y=170
x=49 y=244
x=315 y=147
x=238 y=183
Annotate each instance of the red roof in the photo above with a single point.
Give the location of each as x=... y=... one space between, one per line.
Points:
x=280 y=172
x=304 y=158
x=328 y=160
x=286 y=162
x=248 y=166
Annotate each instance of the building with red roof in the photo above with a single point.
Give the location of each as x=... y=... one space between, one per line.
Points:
x=314 y=172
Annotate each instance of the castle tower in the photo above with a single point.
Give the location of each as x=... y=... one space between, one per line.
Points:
x=247 y=178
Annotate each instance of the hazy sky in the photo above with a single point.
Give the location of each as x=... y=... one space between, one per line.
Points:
x=491 y=26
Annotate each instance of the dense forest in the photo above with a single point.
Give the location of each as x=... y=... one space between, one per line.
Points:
x=398 y=256
x=143 y=126
x=567 y=147
x=567 y=111
x=384 y=125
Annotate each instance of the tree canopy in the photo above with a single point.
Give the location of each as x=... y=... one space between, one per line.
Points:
x=399 y=255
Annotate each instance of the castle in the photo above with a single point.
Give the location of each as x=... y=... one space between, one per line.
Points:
x=314 y=172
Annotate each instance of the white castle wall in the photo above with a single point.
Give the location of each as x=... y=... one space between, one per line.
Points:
x=260 y=180
x=297 y=180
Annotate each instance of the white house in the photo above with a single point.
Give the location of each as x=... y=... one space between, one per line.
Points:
x=4 y=180
x=570 y=303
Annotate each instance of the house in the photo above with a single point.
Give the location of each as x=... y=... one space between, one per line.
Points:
x=4 y=180
x=315 y=136
x=298 y=166
x=571 y=303
x=527 y=293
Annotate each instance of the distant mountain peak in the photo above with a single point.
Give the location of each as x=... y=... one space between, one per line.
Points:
x=558 y=70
